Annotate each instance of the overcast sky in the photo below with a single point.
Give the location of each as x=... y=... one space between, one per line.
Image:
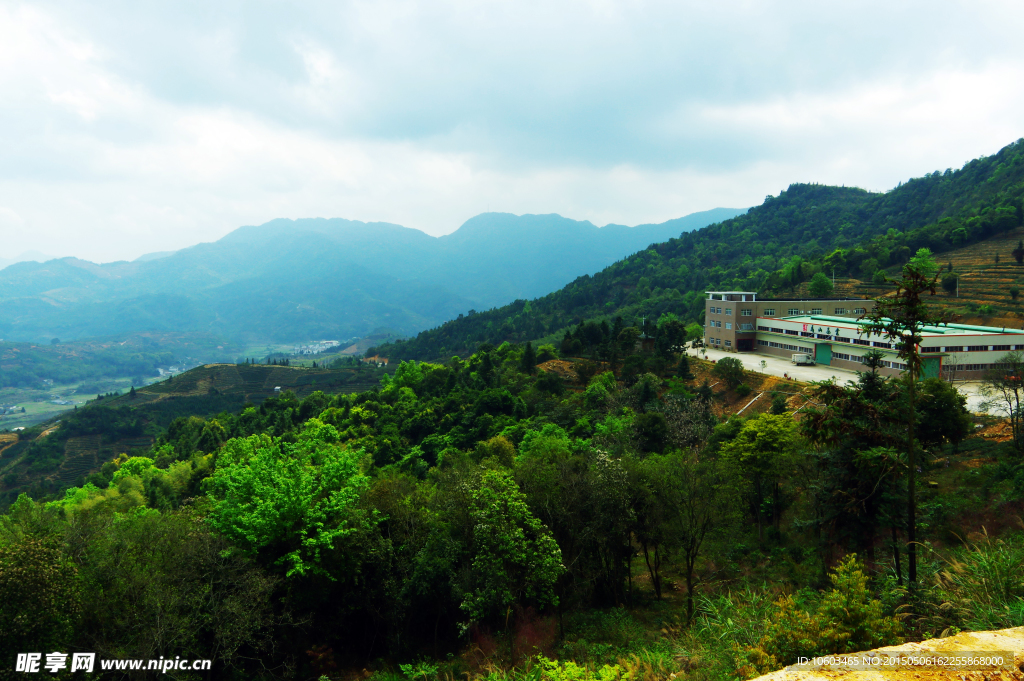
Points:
x=130 y=127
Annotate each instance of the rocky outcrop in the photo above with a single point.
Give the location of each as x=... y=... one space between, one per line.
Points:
x=943 y=658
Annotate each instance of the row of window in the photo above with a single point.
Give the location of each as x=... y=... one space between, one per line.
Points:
x=785 y=346
x=793 y=311
x=718 y=341
x=972 y=348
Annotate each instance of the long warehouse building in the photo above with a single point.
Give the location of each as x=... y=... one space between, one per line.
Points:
x=828 y=329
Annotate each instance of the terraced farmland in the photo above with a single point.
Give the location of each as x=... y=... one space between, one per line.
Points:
x=983 y=281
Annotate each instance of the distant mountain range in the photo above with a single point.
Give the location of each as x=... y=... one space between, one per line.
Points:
x=25 y=257
x=289 y=280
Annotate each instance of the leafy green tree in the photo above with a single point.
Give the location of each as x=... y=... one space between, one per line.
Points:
x=763 y=450
x=515 y=560
x=730 y=370
x=924 y=262
x=943 y=414
x=690 y=498
x=950 y=283
x=1018 y=253
x=820 y=286
x=152 y=579
x=41 y=602
x=291 y=501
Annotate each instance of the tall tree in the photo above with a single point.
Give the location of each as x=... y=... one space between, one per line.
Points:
x=901 y=317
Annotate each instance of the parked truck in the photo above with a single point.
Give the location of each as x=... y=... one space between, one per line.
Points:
x=802 y=358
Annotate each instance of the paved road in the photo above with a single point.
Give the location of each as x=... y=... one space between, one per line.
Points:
x=779 y=366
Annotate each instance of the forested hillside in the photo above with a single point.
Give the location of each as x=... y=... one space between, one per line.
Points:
x=771 y=249
x=489 y=519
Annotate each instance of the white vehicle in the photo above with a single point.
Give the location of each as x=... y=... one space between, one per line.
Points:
x=802 y=358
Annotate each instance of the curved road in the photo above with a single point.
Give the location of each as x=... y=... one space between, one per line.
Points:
x=778 y=366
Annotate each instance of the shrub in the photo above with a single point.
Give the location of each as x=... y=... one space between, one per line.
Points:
x=742 y=390
x=985 y=309
x=847 y=619
x=729 y=370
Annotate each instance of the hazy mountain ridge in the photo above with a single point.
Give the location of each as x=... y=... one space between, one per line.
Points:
x=290 y=279
x=772 y=248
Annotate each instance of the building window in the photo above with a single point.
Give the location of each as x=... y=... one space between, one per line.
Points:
x=859 y=310
x=815 y=310
x=774 y=330
x=745 y=313
x=841 y=355
x=842 y=339
x=807 y=334
x=728 y=326
x=746 y=327
x=954 y=348
x=763 y=342
x=840 y=310
x=858 y=341
x=1000 y=348
x=878 y=344
x=728 y=311
x=769 y=312
x=791 y=332
x=930 y=349
x=728 y=343
x=792 y=311
x=977 y=348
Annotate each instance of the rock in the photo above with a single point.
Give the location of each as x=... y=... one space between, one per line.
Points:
x=1010 y=642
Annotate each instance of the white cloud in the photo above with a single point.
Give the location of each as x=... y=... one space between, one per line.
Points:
x=129 y=128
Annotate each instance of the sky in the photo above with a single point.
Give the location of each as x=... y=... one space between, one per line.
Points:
x=133 y=127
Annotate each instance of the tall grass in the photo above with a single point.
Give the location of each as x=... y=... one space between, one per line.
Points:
x=981 y=586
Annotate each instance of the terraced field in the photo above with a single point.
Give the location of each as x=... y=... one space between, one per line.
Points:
x=983 y=281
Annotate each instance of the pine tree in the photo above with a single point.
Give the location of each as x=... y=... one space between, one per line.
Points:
x=683 y=370
x=528 y=362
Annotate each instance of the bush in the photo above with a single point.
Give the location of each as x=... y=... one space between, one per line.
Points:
x=985 y=309
x=847 y=619
x=730 y=370
x=742 y=390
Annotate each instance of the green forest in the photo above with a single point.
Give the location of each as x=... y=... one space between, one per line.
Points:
x=806 y=230
x=481 y=517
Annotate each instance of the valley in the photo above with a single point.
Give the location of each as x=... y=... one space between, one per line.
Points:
x=553 y=488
